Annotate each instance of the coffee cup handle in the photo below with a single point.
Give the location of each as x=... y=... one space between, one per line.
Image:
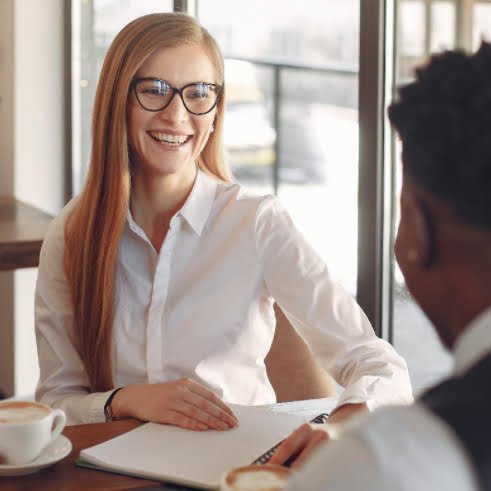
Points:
x=59 y=421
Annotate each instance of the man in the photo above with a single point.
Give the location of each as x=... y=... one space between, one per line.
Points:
x=443 y=247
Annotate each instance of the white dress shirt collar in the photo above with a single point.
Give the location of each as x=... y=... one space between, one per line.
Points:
x=197 y=207
x=474 y=343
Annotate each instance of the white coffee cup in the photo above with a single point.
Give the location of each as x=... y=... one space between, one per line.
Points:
x=26 y=428
x=267 y=477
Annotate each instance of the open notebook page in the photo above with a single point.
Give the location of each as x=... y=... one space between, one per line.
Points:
x=193 y=458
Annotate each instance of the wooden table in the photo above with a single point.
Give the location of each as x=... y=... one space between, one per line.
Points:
x=64 y=475
x=22 y=230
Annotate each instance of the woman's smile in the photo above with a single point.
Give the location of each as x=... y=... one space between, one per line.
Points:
x=167 y=139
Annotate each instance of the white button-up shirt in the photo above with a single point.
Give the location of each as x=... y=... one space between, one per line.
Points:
x=203 y=308
x=404 y=449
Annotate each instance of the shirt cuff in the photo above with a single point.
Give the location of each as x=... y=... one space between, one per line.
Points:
x=361 y=392
x=96 y=409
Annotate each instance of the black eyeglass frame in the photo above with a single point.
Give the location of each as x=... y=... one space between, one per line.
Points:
x=217 y=87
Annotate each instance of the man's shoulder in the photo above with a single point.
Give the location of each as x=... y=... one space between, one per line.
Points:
x=463 y=404
x=406 y=448
x=396 y=421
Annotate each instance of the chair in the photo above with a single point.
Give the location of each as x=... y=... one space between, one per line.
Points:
x=292 y=369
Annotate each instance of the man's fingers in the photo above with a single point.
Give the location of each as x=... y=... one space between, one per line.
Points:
x=292 y=445
x=317 y=438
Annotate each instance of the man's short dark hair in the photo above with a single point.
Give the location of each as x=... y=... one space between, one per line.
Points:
x=444 y=121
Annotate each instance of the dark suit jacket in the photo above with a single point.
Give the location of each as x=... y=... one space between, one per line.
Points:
x=465 y=404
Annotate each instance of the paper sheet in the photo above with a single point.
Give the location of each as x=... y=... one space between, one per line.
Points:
x=194 y=458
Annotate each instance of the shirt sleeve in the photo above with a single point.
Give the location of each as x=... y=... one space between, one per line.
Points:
x=406 y=449
x=63 y=382
x=332 y=467
x=326 y=316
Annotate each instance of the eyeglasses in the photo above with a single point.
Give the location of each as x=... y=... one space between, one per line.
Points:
x=154 y=94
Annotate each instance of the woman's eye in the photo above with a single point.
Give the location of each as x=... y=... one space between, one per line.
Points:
x=201 y=91
x=154 y=91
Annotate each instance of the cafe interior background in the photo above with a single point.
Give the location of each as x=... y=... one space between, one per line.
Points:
x=308 y=85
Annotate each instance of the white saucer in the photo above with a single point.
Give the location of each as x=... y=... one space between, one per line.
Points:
x=54 y=452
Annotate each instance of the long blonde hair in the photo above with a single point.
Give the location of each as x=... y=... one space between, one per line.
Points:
x=94 y=227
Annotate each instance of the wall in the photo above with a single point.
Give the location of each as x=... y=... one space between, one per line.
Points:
x=39 y=131
x=31 y=160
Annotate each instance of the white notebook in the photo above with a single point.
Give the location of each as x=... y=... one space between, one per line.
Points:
x=193 y=458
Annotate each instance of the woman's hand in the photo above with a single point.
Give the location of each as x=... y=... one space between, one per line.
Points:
x=183 y=403
x=300 y=444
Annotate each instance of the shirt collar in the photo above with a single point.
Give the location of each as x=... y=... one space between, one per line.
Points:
x=197 y=207
x=474 y=343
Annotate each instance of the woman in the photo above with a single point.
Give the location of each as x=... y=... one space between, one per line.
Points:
x=160 y=278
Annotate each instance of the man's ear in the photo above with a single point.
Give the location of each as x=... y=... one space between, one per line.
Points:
x=425 y=234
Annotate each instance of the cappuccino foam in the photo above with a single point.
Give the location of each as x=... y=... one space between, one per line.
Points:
x=21 y=412
x=257 y=478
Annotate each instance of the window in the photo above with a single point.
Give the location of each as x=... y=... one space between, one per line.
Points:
x=292 y=110
x=291 y=122
x=95 y=23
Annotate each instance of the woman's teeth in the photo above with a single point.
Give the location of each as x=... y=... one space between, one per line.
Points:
x=165 y=138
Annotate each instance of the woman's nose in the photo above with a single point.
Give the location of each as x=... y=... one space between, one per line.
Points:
x=175 y=111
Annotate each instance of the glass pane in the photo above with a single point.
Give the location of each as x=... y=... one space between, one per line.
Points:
x=411 y=28
x=95 y=24
x=297 y=106
x=410 y=35
x=443 y=27
x=481 y=28
x=249 y=133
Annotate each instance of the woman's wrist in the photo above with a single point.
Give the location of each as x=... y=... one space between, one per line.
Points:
x=113 y=407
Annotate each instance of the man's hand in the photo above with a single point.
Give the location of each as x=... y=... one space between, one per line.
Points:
x=183 y=403
x=342 y=413
x=305 y=439
x=300 y=444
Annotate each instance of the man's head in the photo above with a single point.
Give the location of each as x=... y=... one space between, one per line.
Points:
x=444 y=121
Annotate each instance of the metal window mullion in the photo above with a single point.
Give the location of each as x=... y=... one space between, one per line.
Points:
x=67 y=101
x=371 y=228
x=390 y=172
x=187 y=6
x=427 y=21
x=464 y=18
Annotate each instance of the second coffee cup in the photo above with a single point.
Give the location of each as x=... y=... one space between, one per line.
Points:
x=267 y=477
x=26 y=428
